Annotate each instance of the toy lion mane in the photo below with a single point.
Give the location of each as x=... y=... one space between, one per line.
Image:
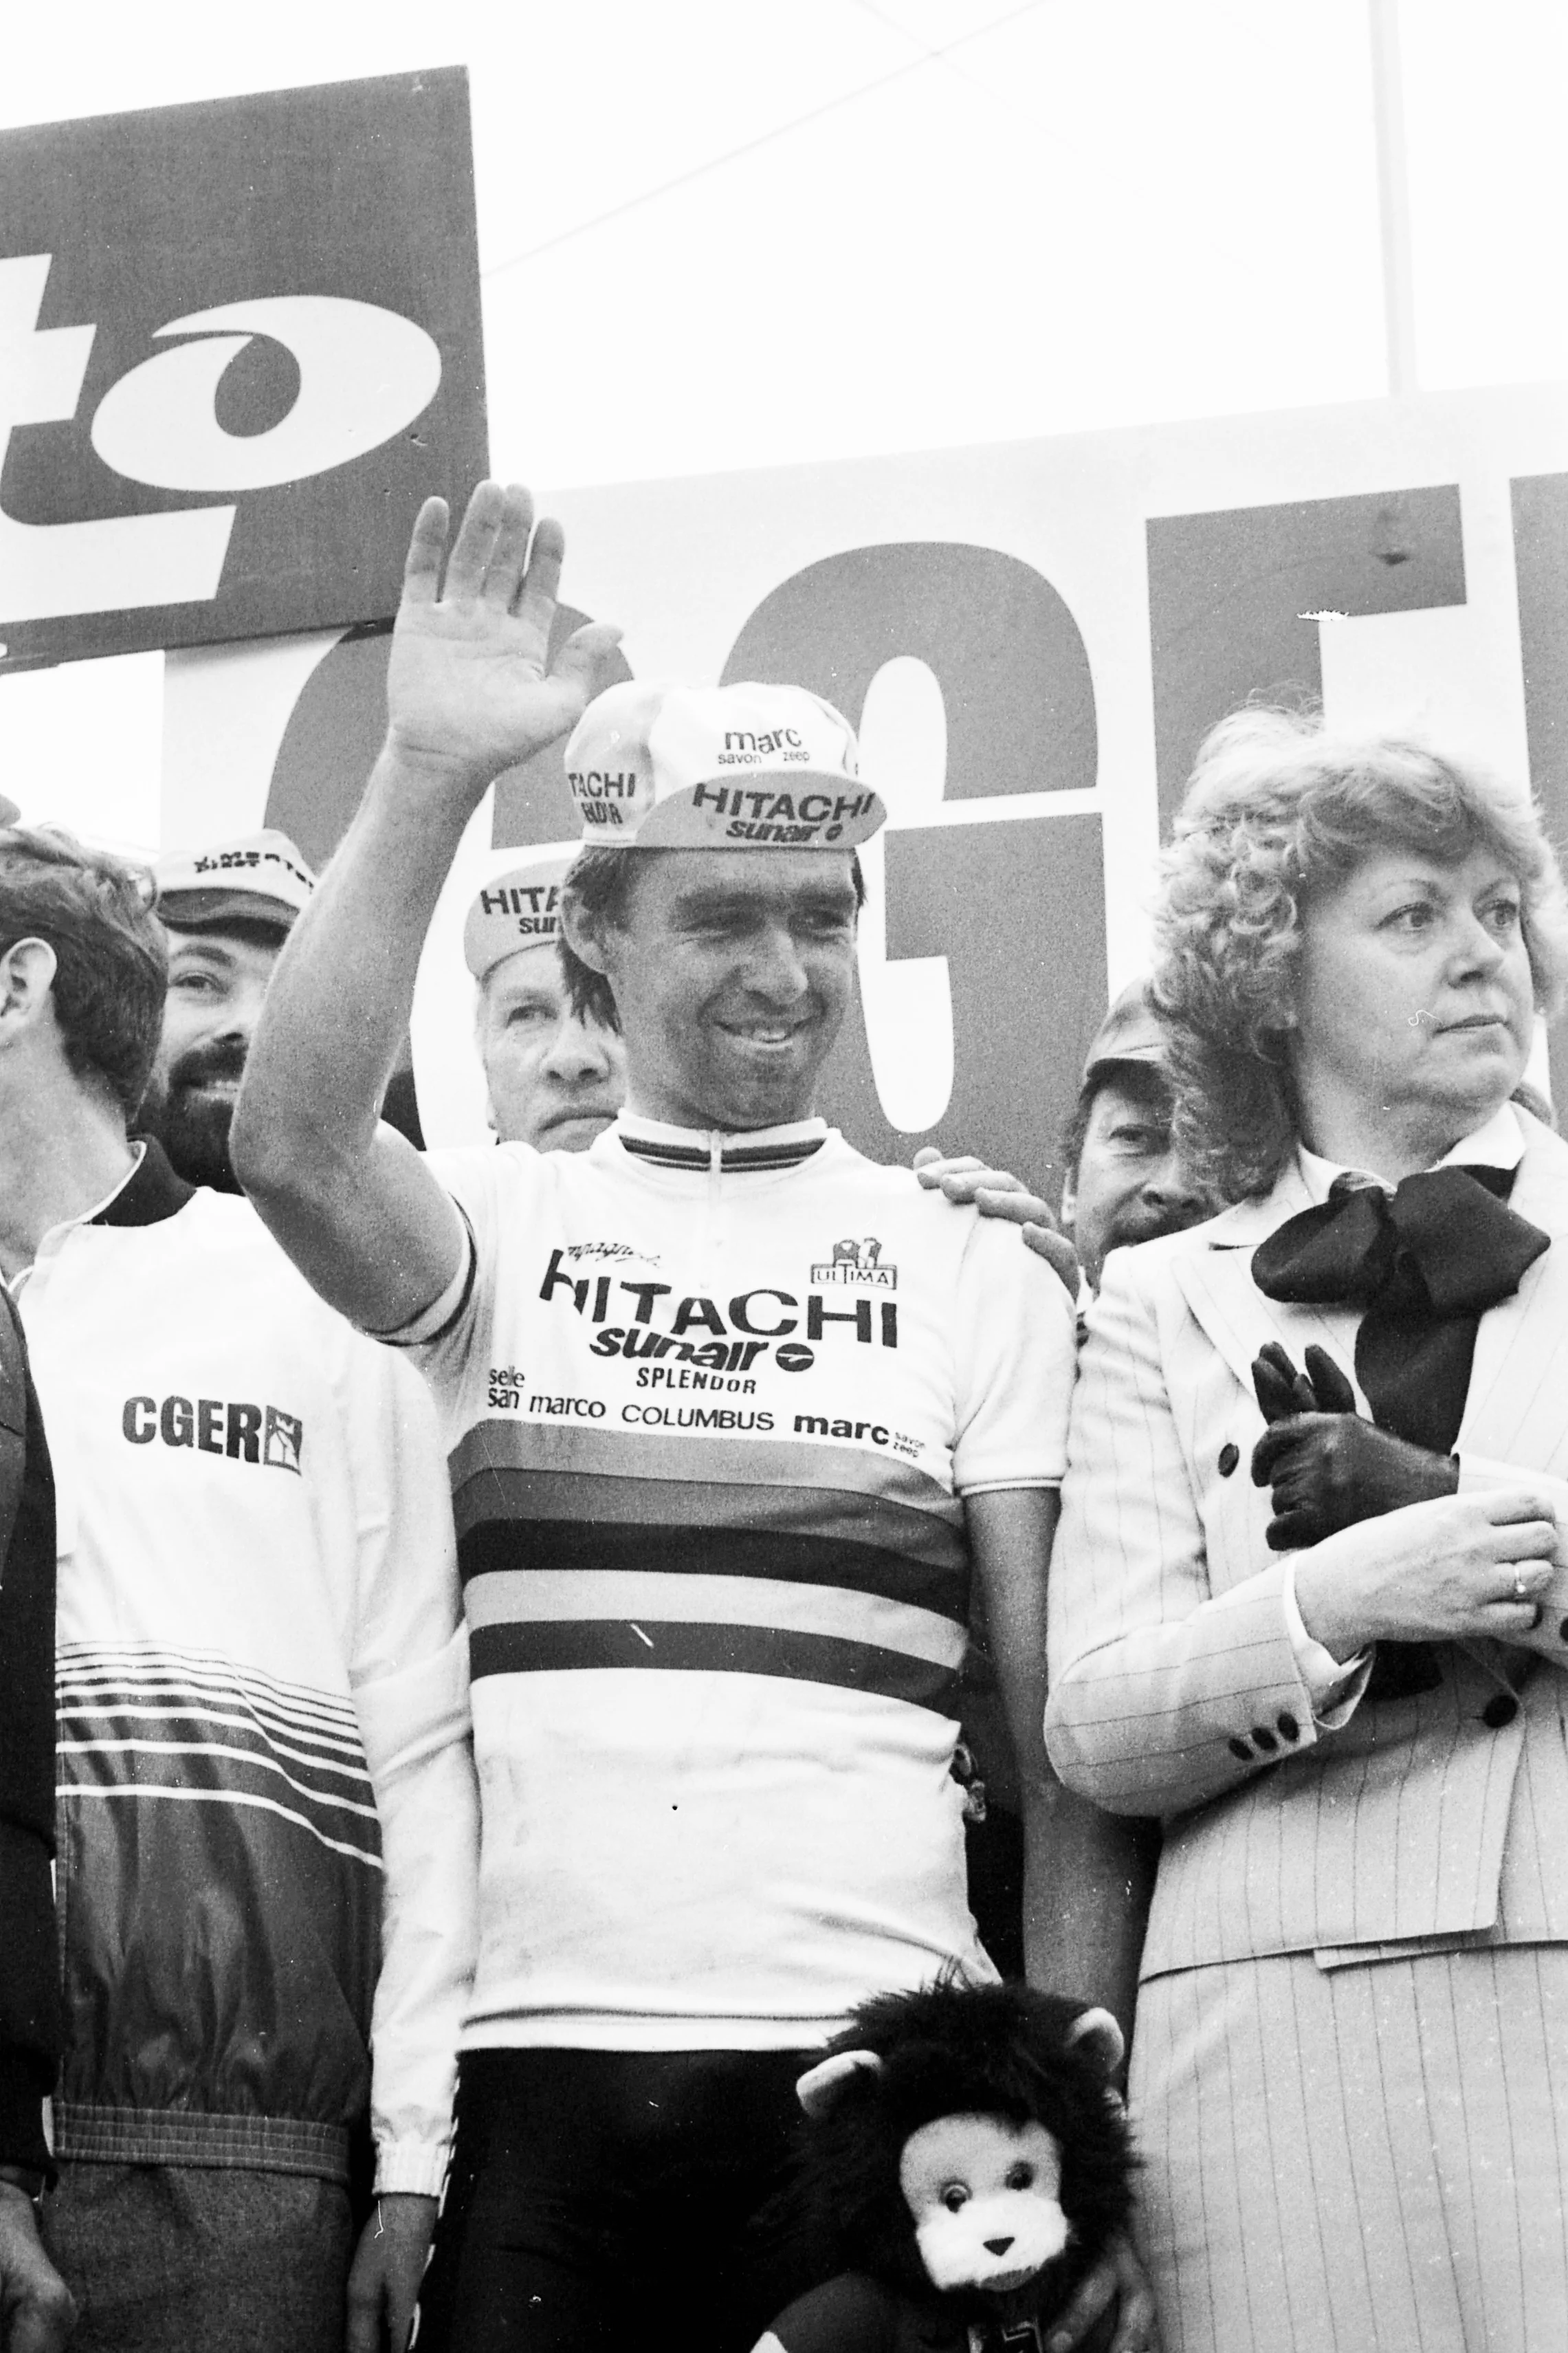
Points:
x=955 y=2049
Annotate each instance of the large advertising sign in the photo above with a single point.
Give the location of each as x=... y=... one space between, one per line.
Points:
x=1031 y=640
x=238 y=342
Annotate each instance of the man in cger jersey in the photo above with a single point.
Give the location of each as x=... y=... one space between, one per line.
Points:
x=266 y=1805
x=733 y=1415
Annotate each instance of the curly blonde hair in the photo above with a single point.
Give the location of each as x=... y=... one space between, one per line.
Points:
x=1278 y=809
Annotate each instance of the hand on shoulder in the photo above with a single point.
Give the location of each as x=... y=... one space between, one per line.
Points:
x=996 y=1193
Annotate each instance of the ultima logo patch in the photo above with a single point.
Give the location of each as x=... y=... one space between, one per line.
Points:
x=857 y=1262
x=226 y=1426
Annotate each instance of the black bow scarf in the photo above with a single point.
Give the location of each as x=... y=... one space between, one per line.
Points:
x=1423 y=1264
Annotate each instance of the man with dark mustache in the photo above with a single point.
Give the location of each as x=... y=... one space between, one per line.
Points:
x=265 y=1798
x=1125 y=1183
x=228 y=910
x=1125 y=1179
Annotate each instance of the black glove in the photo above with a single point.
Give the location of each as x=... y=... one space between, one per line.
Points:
x=1282 y=1391
x=1327 y=1465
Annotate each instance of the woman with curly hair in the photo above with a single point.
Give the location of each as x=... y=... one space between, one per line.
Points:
x=1308 y=1596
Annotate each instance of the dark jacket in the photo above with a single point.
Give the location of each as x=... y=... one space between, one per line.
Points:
x=30 y=1987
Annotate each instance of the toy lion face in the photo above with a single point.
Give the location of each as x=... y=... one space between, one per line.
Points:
x=961 y=2138
x=984 y=2199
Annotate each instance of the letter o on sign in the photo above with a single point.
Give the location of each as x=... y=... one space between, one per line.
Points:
x=364 y=373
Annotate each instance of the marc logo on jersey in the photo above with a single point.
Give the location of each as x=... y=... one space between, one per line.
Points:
x=244 y=1433
x=857 y=1262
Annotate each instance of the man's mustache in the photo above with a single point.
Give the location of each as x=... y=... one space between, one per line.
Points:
x=209 y=1064
x=1150 y=1225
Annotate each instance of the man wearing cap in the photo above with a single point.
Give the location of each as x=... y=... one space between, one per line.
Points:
x=1126 y=1182
x=732 y=1412
x=228 y=910
x=266 y=1804
x=555 y=1079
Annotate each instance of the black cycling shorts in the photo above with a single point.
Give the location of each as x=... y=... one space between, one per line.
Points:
x=609 y=2199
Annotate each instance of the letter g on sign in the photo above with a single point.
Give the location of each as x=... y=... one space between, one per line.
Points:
x=364 y=373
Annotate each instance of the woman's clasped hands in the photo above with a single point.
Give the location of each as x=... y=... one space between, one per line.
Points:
x=1447 y=1570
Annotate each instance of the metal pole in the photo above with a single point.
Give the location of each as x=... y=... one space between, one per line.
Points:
x=1393 y=196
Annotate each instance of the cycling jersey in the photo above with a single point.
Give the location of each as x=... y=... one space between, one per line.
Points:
x=262 y=1710
x=712 y=1405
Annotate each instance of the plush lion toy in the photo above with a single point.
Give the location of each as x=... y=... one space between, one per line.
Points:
x=965 y=2163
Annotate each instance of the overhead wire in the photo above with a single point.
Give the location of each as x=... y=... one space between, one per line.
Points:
x=762 y=139
x=989 y=91
x=996 y=98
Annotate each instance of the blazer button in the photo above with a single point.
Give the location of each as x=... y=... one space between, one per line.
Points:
x=1264 y=1737
x=1500 y=1710
x=1229 y=1456
x=1239 y=1749
x=1287 y=1725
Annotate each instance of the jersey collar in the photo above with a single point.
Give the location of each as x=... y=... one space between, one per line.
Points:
x=661 y=1145
x=151 y=1193
x=147 y=1194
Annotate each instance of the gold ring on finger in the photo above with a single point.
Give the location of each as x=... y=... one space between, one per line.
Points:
x=1517 y=1585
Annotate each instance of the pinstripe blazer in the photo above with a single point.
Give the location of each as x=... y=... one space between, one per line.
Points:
x=1174 y=1685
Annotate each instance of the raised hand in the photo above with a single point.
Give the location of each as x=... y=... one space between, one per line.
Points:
x=469 y=691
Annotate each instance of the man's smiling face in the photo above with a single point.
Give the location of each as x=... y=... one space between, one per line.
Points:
x=732 y=972
x=216 y=983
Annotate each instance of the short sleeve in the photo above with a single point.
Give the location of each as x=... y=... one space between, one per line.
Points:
x=454 y=1331
x=1014 y=1348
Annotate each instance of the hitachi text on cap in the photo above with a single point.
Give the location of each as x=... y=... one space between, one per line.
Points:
x=520 y=909
x=748 y=766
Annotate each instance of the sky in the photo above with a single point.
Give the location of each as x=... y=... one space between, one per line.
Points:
x=733 y=234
